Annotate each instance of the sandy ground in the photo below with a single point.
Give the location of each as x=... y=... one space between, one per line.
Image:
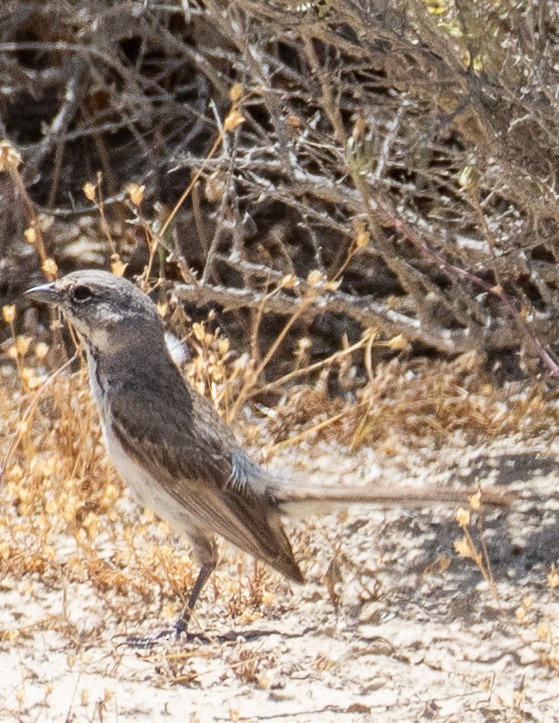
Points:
x=400 y=627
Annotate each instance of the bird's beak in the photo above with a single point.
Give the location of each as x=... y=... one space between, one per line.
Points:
x=45 y=292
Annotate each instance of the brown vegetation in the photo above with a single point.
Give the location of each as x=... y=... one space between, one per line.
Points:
x=356 y=202
x=401 y=155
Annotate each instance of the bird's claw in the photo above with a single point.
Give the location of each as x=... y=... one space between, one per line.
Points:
x=169 y=634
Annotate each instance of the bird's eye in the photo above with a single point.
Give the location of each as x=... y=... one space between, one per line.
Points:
x=81 y=293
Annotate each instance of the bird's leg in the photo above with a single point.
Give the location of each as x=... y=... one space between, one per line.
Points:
x=205 y=550
x=181 y=625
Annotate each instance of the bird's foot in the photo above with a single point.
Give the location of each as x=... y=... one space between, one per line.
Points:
x=165 y=635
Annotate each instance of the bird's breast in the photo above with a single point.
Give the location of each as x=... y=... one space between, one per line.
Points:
x=144 y=487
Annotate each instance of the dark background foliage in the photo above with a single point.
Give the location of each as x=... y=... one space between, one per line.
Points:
x=405 y=150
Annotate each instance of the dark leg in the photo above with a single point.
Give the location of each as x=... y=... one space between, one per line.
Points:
x=181 y=625
x=205 y=550
x=206 y=553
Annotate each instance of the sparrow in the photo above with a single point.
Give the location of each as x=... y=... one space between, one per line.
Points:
x=173 y=450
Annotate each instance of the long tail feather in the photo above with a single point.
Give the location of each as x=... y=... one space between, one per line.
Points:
x=297 y=500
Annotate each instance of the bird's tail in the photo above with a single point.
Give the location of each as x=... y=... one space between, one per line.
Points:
x=302 y=500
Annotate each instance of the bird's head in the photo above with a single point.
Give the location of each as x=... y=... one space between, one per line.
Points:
x=107 y=310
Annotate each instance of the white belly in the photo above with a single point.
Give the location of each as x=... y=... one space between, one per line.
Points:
x=147 y=491
x=144 y=487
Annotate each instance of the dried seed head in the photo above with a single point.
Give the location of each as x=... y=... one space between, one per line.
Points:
x=10 y=157
x=315 y=278
x=22 y=344
x=234 y=119
x=41 y=350
x=50 y=268
x=464 y=548
x=236 y=92
x=30 y=234
x=475 y=501
x=397 y=342
x=9 y=313
x=135 y=193
x=362 y=238
x=118 y=267
x=89 y=191
x=463 y=517
x=215 y=187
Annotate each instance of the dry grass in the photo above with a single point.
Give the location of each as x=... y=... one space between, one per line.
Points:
x=66 y=520
x=351 y=227
x=418 y=402
x=62 y=503
x=65 y=514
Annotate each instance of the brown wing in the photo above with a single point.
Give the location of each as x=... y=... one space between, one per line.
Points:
x=192 y=453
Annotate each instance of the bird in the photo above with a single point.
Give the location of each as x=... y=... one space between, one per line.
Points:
x=177 y=455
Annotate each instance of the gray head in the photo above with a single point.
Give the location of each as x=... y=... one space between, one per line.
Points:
x=107 y=310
